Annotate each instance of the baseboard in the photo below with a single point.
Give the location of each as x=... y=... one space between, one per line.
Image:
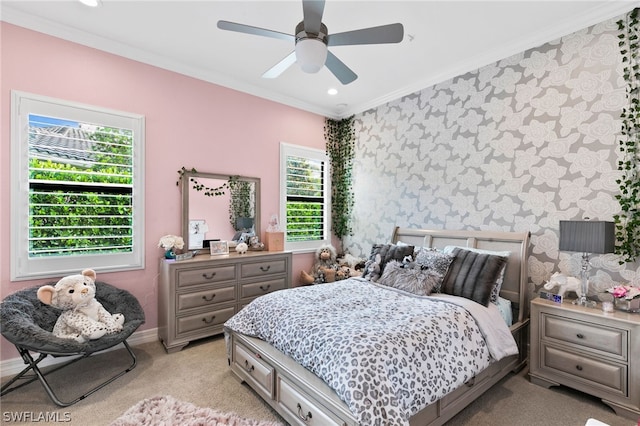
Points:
x=13 y=366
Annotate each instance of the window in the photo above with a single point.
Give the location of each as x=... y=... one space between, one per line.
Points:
x=77 y=191
x=304 y=197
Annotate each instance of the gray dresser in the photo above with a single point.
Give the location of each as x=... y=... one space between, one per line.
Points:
x=587 y=350
x=197 y=296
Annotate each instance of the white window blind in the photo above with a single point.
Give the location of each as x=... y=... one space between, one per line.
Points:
x=83 y=204
x=305 y=205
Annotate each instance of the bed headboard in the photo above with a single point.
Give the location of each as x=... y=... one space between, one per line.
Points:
x=516 y=278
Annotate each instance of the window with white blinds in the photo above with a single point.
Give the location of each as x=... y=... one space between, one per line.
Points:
x=305 y=196
x=82 y=207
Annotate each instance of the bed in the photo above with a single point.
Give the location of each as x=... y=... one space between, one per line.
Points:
x=337 y=377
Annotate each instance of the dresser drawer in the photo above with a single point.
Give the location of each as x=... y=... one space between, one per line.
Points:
x=213 y=274
x=263 y=268
x=206 y=297
x=605 y=339
x=259 y=288
x=608 y=375
x=254 y=369
x=203 y=320
x=301 y=407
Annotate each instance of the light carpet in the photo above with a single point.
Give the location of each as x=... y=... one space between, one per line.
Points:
x=167 y=410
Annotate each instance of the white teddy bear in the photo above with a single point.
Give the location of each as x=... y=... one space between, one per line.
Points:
x=84 y=318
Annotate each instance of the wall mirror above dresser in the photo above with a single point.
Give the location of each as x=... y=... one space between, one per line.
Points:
x=210 y=202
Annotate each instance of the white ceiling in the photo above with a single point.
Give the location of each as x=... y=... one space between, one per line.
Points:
x=442 y=39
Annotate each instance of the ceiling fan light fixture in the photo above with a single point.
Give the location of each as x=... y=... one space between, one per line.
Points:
x=91 y=3
x=311 y=54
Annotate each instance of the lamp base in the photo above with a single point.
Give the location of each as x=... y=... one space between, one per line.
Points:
x=583 y=301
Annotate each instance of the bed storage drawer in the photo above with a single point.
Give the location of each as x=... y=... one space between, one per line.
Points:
x=214 y=274
x=207 y=297
x=600 y=373
x=254 y=369
x=609 y=340
x=301 y=407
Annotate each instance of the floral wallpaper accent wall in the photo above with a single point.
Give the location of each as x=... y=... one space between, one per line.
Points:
x=515 y=146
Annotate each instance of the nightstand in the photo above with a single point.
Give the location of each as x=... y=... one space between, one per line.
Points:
x=588 y=350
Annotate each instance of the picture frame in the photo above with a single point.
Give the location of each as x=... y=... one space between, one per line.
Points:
x=218 y=247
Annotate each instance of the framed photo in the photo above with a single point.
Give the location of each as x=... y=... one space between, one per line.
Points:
x=219 y=247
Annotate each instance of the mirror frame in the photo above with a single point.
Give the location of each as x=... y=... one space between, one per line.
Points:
x=186 y=187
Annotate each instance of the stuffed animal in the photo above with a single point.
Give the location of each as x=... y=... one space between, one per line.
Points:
x=565 y=283
x=325 y=267
x=83 y=317
x=242 y=248
x=373 y=268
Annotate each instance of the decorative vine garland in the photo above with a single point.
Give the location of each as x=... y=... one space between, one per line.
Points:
x=340 y=138
x=628 y=221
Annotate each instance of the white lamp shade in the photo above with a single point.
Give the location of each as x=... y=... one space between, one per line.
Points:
x=311 y=55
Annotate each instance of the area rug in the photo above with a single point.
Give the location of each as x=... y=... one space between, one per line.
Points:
x=168 y=411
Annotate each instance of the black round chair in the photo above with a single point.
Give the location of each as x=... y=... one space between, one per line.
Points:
x=28 y=323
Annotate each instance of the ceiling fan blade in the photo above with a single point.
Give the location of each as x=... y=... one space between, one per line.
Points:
x=281 y=66
x=312 y=11
x=339 y=69
x=248 y=29
x=392 y=33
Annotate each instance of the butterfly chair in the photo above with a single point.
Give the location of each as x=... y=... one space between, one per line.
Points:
x=27 y=323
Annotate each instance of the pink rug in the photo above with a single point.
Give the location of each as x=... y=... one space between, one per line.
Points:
x=167 y=411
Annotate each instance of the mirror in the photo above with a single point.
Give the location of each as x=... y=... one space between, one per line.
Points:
x=211 y=201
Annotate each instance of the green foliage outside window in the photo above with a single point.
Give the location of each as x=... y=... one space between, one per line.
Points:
x=76 y=209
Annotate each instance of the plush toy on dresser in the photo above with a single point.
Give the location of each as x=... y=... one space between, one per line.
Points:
x=83 y=317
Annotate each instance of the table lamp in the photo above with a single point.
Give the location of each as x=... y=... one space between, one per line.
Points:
x=586 y=237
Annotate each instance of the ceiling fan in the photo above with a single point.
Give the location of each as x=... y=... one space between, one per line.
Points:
x=312 y=40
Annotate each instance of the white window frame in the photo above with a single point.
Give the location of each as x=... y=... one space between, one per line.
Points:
x=287 y=150
x=25 y=268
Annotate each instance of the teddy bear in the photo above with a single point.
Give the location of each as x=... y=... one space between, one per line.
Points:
x=325 y=269
x=83 y=317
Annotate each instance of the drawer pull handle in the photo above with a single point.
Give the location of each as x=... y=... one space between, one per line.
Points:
x=580 y=336
x=210 y=321
x=247 y=367
x=265 y=288
x=579 y=367
x=208 y=276
x=265 y=269
x=209 y=299
x=302 y=416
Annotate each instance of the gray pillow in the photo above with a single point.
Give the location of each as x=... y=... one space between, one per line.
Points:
x=435 y=261
x=495 y=291
x=415 y=280
x=473 y=275
x=386 y=253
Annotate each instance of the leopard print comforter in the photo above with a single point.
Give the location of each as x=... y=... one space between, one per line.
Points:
x=386 y=353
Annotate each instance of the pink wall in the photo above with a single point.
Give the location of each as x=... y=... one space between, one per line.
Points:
x=189 y=123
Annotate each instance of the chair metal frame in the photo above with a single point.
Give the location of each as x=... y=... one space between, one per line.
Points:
x=38 y=374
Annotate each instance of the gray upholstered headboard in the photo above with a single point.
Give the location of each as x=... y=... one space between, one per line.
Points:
x=516 y=278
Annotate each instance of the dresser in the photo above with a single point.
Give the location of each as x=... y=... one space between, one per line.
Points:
x=588 y=350
x=197 y=296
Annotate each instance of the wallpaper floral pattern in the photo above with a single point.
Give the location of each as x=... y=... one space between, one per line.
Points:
x=514 y=146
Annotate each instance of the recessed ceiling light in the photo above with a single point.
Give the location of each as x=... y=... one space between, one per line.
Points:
x=332 y=91
x=91 y=3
